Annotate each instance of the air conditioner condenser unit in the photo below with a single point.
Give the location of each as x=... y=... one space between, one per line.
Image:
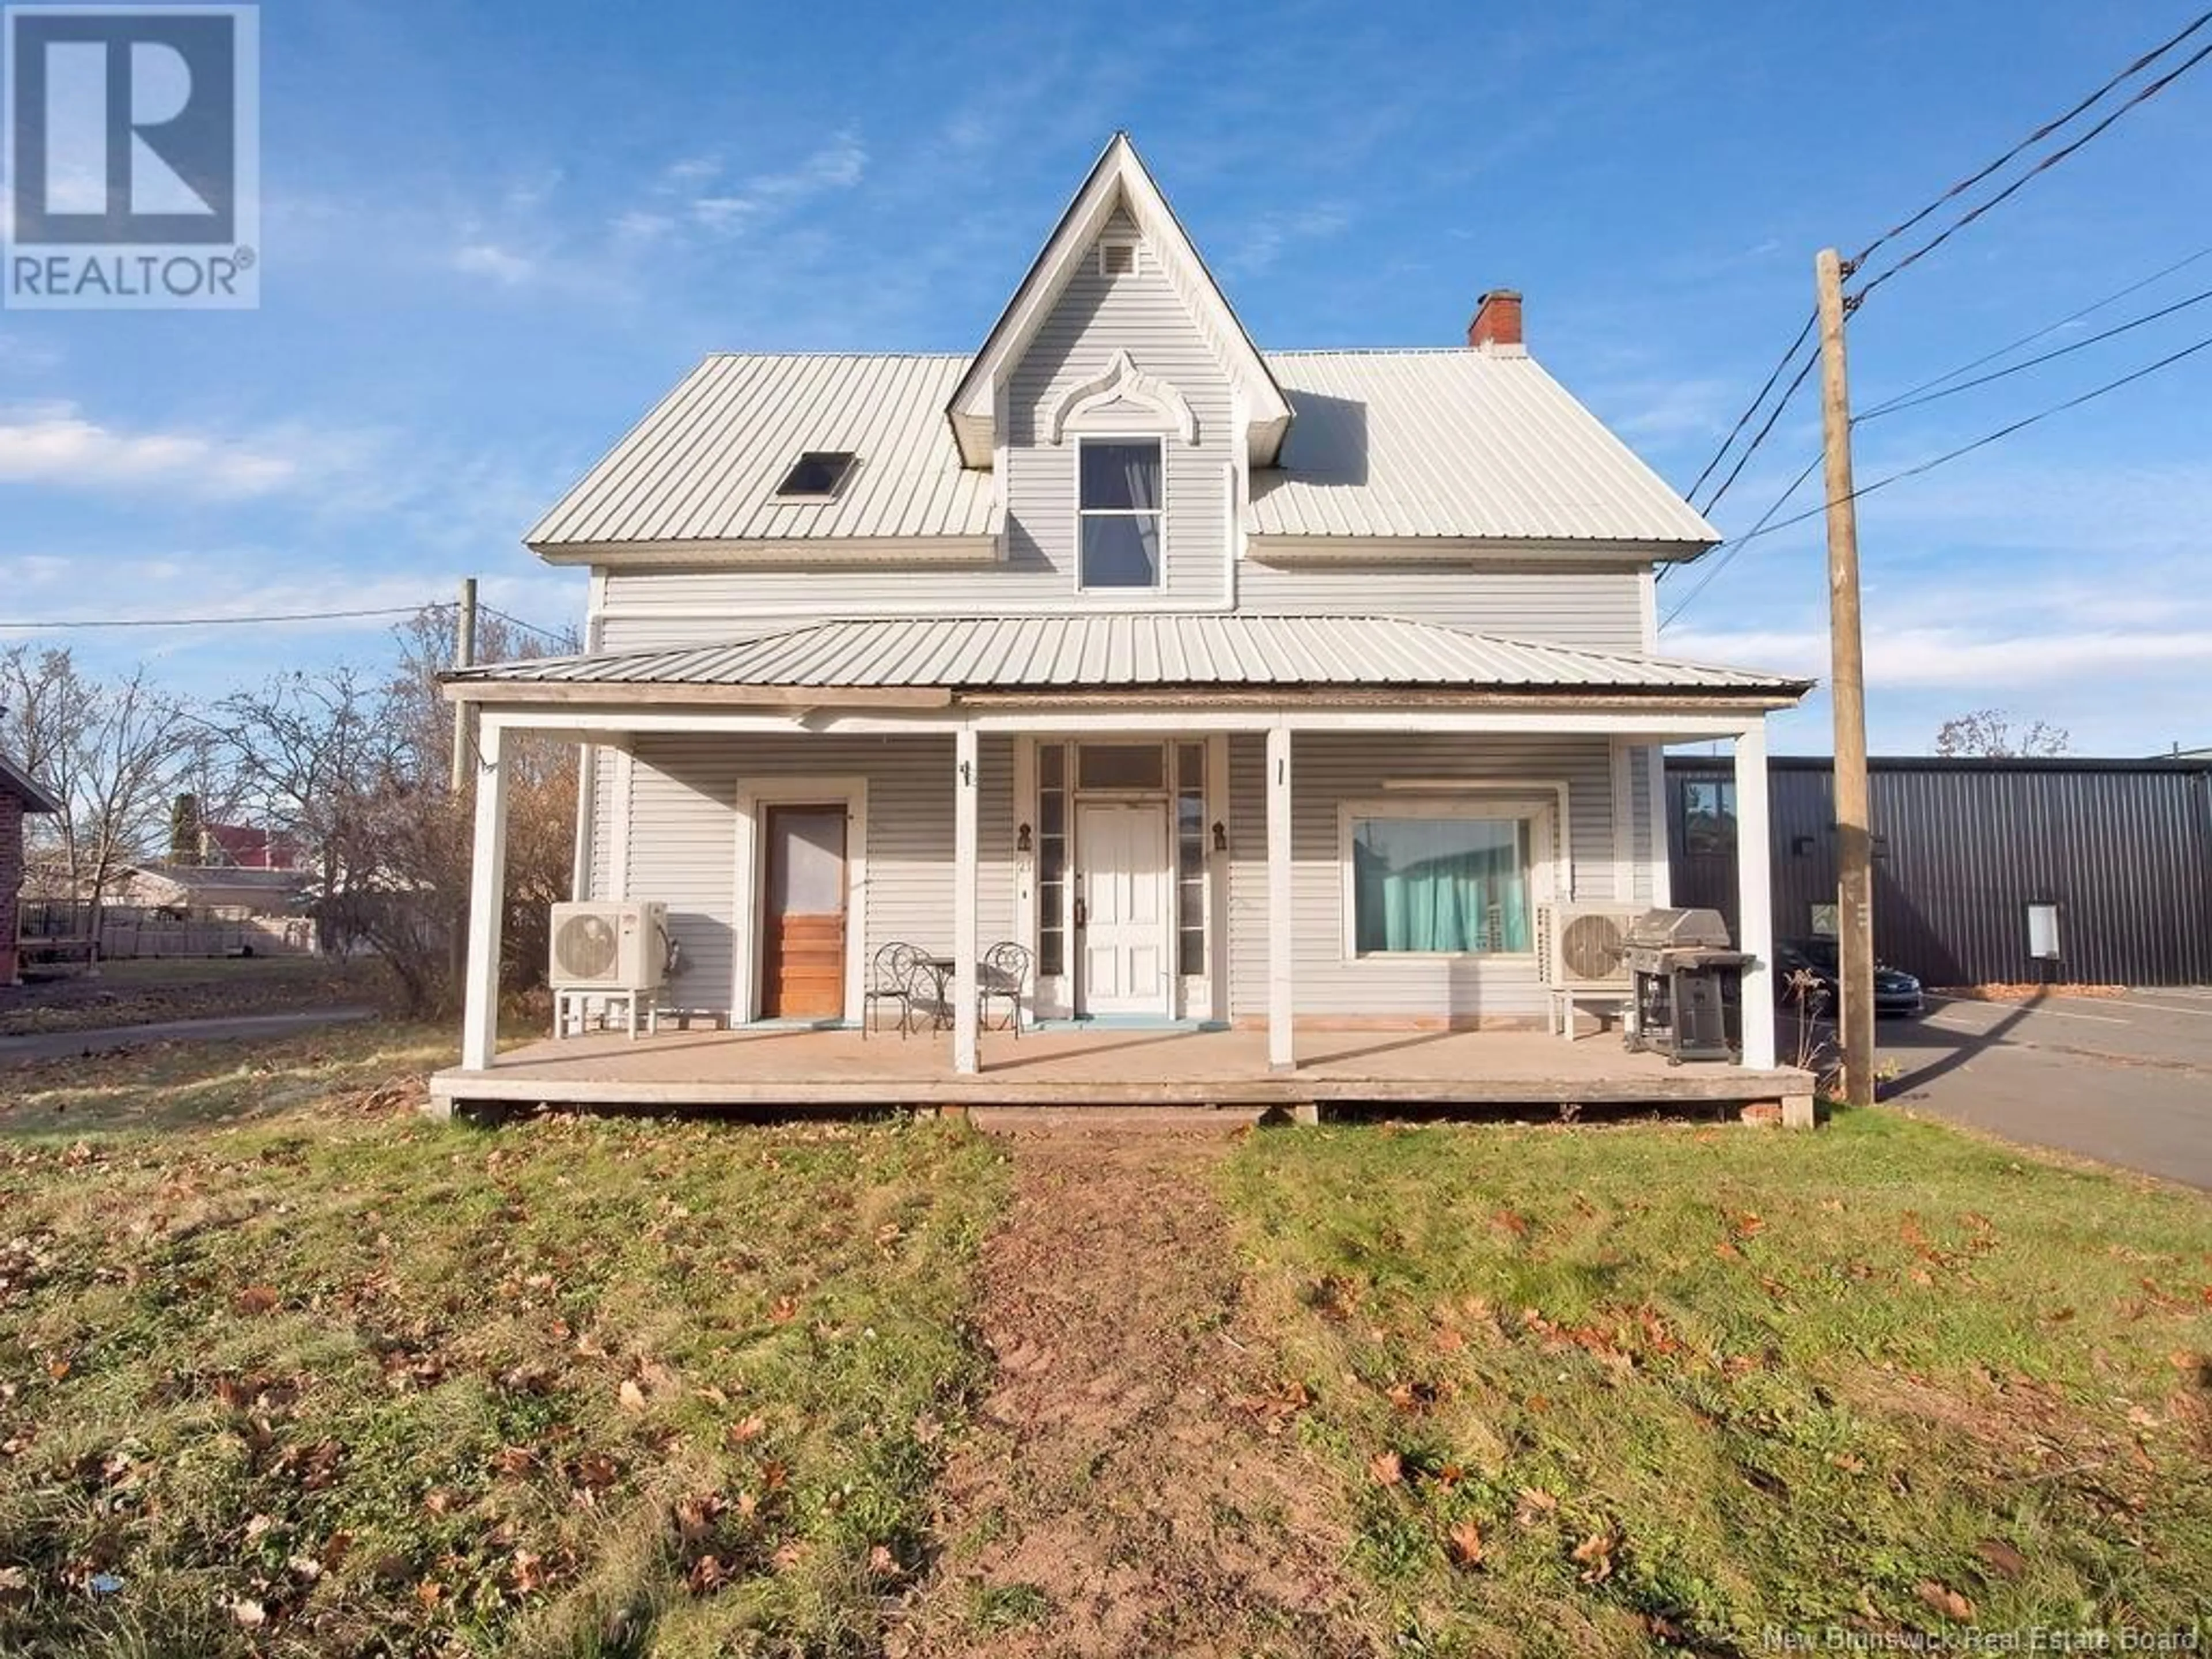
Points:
x=610 y=946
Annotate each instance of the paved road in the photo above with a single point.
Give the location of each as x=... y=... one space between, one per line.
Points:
x=63 y=1045
x=2125 y=1080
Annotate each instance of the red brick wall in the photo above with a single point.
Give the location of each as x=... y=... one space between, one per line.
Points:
x=11 y=880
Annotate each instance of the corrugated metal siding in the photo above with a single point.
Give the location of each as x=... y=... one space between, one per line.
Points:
x=1963 y=850
x=704 y=464
x=683 y=838
x=1596 y=610
x=1127 y=650
x=1327 y=770
x=1457 y=444
x=1094 y=317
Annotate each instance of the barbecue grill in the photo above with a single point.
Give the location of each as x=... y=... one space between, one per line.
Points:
x=1682 y=970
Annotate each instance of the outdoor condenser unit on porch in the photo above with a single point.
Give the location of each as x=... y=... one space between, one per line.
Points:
x=605 y=945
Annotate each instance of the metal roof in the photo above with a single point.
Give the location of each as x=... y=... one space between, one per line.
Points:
x=1134 y=650
x=34 y=795
x=704 y=465
x=1435 y=445
x=1454 y=444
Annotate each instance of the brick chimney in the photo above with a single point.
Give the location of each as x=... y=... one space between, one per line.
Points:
x=1496 y=319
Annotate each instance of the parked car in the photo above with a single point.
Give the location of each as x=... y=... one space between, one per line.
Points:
x=1895 y=991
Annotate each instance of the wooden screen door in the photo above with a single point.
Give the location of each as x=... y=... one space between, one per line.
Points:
x=803 y=920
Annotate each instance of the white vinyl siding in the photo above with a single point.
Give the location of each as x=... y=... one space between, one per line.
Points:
x=1598 y=610
x=684 y=834
x=1326 y=771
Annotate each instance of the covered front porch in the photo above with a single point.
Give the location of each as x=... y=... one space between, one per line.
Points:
x=767 y=1067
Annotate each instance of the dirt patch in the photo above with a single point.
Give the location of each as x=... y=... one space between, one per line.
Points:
x=1118 y=1495
x=147 y=992
x=2026 y=993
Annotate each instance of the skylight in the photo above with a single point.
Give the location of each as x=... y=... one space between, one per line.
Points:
x=818 y=474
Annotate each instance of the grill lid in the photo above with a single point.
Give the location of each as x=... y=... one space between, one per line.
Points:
x=1678 y=930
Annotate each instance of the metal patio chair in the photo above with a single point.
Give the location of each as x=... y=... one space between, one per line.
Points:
x=1001 y=975
x=894 y=975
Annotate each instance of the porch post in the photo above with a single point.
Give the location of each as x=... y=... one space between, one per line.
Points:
x=966 y=1037
x=1282 y=1054
x=487 y=893
x=1754 y=879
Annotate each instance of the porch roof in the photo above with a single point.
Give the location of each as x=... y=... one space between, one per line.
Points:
x=1141 y=651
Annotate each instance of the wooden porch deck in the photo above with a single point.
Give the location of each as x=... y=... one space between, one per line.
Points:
x=779 y=1068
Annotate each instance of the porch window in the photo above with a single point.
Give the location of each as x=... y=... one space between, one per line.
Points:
x=1118 y=512
x=1453 y=884
x=1052 y=859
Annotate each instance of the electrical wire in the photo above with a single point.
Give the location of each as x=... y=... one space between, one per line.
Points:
x=2048 y=161
x=1897 y=404
x=1803 y=369
x=1729 y=552
x=1931 y=463
x=550 y=636
x=2042 y=132
x=1744 y=419
x=2031 y=338
x=209 y=621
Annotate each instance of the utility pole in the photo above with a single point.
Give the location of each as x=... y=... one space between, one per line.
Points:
x=465 y=656
x=1847 y=694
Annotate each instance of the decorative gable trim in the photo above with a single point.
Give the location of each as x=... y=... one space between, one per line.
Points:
x=1123 y=382
x=1118 y=180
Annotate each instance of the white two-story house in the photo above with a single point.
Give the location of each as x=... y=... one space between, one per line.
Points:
x=1246 y=687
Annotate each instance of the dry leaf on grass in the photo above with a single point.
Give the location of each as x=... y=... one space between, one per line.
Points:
x=1945 y=1601
x=1594 y=1555
x=1466 y=1539
x=882 y=1562
x=2001 y=1557
x=1386 y=1468
x=252 y=1614
x=255 y=1299
x=1533 y=1504
x=632 y=1396
x=751 y=1428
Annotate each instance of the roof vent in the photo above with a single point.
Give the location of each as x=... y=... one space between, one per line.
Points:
x=1117 y=256
x=817 y=475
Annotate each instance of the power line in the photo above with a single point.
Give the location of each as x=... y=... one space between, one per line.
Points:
x=1728 y=553
x=209 y=621
x=2040 y=135
x=1742 y=460
x=2048 y=161
x=1744 y=419
x=1930 y=465
x=1902 y=403
x=550 y=635
x=2031 y=338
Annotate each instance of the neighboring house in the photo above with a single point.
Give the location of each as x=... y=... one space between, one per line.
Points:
x=1980 y=863
x=242 y=846
x=1239 y=686
x=20 y=792
x=217 y=890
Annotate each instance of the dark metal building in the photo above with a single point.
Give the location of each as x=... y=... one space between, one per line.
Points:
x=1965 y=850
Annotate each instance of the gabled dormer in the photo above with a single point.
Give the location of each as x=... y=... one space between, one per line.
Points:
x=1118 y=227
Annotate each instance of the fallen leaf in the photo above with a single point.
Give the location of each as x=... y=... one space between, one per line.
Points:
x=1945 y=1601
x=1516 y=1224
x=705 y=1577
x=514 y=1459
x=1386 y=1468
x=1466 y=1540
x=1594 y=1556
x=252 y=1614
x=785 y=1310
x=882 y=1562
x=751 y=1428
x=255 y=1299
x=2001 y=1557
x=632 y=1396
x=1533 y=1504
x=596 y=1471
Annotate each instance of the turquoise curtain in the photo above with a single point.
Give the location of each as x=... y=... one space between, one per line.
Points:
x=1446 y=884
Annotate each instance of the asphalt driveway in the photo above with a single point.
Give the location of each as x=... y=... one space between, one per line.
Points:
x=2125 y=1080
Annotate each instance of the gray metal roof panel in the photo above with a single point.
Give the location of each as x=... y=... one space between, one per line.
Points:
x=1130 y=652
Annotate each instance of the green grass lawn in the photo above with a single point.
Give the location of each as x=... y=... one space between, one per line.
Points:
x=276 y=1379
x=1595 y=1386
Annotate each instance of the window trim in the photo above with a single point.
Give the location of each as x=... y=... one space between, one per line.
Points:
x=1082 y=439
x=1542 y=807
x=1724 y=812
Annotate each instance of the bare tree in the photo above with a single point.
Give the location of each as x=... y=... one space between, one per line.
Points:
x=111 y=750
x=1989 y=733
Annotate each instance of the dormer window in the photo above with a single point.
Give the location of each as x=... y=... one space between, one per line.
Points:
x=1117 y=256
x=817 y=475
x=1118 y=511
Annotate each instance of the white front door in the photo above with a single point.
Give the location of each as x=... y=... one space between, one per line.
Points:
x=1122 y=888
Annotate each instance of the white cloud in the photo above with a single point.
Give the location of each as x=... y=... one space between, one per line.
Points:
x=1265 y=239
x=54 y=444
x=840 y=164
x=1958 y=657
x=503 y=266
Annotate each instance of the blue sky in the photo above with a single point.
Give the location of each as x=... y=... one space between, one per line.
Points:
x=495 y=233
